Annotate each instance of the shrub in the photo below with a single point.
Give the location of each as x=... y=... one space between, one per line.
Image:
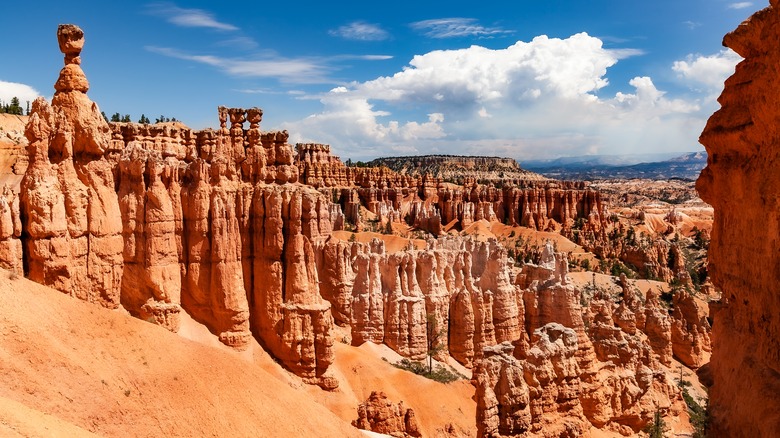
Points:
x=439 y=373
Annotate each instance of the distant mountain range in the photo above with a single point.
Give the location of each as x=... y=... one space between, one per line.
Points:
x=648 y=166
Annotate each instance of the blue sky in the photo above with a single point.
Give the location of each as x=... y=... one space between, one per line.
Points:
x=521 y=79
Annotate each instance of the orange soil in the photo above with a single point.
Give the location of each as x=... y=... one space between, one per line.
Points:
x=66 y=361
x=68 y=368
x=438 y=407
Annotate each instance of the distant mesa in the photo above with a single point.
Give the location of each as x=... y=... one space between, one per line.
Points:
x=457 y=168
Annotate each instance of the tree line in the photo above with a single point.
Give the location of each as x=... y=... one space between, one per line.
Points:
x=13 y=107
x=118 y=118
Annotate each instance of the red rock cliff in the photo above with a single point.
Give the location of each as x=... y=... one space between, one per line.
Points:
x=741 y=183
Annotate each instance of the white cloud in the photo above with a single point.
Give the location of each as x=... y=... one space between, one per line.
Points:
x=268 y=65
x=740 y=5
x=298 y=70
x=239 y=42
x=23 y=92
x=360 y=31
x=535 y=99
x=187 y=17
x=691 y=24
x=710 y=71
x=455 y=27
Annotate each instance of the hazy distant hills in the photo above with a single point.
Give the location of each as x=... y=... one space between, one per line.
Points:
x=648 y=166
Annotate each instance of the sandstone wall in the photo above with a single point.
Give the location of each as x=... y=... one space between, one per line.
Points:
x=740 y=182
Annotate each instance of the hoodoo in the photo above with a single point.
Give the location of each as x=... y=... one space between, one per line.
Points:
x=159 y=218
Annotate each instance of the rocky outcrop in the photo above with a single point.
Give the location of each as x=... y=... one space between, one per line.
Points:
x=378 y=414
x=740 y=181
x=536 y=397
x=318 y=168
x=160 y=219
x=10 y=232
x=691 y=342
x=586 y=362
x=418 y=195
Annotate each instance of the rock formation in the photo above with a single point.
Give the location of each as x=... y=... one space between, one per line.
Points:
x=378 y=414
x=582 y=362
x=426 y=202
x=161 y=218
x=691 y=329
x=456 y=168
x=740 y=182
x=74 y=225
x=10 y=232
x=463 y=285
x=536 y=397
x=233 y=228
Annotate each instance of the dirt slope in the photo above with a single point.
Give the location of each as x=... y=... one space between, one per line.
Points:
x=66 y=364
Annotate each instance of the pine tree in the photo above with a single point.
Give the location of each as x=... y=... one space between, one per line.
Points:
x=657 y=428
x=433 y=335
x=126 y=118
x=115 y=117
x=14 y=107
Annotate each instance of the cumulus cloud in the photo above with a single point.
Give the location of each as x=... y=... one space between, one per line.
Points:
x=360 y=31
x=709 y=71
x=23 y=92
x=537 y=99
x=455 y=27
x=739 y=5
x=187 y=17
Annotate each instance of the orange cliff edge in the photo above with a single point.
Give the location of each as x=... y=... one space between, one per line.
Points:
x=741 y=183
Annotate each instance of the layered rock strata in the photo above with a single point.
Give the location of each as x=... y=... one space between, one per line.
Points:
x=425 y=201
x=740 y=182
x=455 y=168
x=161 y=218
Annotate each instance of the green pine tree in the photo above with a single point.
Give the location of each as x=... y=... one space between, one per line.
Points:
x=657 y=427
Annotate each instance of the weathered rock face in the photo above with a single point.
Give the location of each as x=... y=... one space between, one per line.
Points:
x=536 y=397
x=162 y=218
x=378 y=414
x=740 y=181
x=463 y=285
x=10 y=232
x=587 y=362
x=691 y=342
